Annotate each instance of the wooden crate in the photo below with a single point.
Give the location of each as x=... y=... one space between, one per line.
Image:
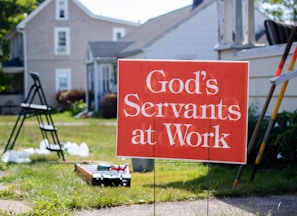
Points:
x=105 y=174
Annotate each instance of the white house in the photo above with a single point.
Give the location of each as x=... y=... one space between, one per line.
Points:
x=189 y=33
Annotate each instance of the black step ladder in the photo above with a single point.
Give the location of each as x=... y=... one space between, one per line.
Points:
x=43 y=114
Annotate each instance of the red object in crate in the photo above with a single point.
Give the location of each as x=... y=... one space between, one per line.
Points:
x=105 y=174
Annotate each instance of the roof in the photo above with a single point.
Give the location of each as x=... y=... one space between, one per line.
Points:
x=155 y=28
x=101 y=49
x=23 y=23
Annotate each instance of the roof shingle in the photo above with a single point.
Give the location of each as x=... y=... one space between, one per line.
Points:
x=107 y=48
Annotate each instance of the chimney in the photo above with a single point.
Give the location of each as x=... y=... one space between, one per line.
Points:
x=196 y=3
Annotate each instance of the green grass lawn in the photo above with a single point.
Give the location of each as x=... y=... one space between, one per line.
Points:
x=53 y=188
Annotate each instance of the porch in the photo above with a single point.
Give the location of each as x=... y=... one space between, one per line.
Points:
x=236 y=42
x=263 y=64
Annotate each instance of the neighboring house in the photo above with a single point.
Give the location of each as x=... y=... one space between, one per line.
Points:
x=52 y=41
x=189 y=33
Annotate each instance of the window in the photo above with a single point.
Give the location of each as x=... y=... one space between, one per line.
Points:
x=118 y=33
x=106 y=78
x=61 y=9
x=62 y=41
x=105 y=72
x=63 y=79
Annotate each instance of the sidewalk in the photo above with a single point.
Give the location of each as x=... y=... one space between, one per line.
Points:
x=269 y=205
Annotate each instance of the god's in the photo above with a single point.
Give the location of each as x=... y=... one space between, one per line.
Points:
x=156 y=82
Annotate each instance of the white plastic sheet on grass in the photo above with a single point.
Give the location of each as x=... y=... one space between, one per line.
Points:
x=23 y=156
x=81 y=150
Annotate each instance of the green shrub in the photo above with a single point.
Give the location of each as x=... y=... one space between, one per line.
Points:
x=96 y=114
x=78 y=107
x=109 y=106
x=252 y=121
x=5 y=82
x=281 y=148
x=286 y=127
x=67 y=97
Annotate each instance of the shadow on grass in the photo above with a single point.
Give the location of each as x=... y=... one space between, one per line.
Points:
x=217 y=180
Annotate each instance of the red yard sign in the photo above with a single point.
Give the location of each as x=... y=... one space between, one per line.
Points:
x=189 y=110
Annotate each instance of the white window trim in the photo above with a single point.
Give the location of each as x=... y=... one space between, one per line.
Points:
x=63 y=71
x=67 y=48
x=58 y=10
x=122 y=31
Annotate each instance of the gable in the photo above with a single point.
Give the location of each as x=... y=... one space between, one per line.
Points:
x=44 y=4
x=23 y=23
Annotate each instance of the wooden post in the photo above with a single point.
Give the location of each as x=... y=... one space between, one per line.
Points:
x=249 y=23
x=235 y=28
x=224 y=22
x=238 y=40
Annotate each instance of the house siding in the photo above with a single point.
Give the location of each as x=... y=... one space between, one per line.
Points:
x=263 y=63
x=192 y=39
x=40 y=35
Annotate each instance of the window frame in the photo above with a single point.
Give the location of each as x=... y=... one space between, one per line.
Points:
x=58 y=49
x=60 y=72
x=116 y=31
x=59 y=8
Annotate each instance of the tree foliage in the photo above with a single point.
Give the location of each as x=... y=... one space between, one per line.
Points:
x=5 y=80
x=11 y=13
x=281 y=10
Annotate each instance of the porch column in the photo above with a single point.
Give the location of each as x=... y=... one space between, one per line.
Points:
x=224 y=22
x=238 y=39
x=235 y=28
x=250 y=23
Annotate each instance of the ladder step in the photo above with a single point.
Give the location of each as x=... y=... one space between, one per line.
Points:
x=35 y=106
x=54 y=147
x=47 y=127
x=43 y=114
x=284 y=77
